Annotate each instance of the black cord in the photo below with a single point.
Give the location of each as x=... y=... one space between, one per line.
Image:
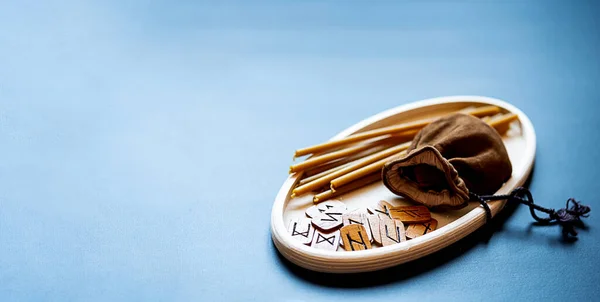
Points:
x=486 y=207
x=568 y=217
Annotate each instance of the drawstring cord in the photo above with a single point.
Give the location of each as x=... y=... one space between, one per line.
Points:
x=568 y=217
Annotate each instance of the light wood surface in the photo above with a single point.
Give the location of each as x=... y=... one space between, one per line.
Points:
x=391 y=230
x=326 y=241
x=317 y=183
x=374 y=221
x=419 y=229
x=411 y=214
x=329 y=219
x=355 y=237
x=402 y=129
x=321 y=174
x=452 y=225
x=362 y=172
x=301 y=229
x=358 y=218
x=339 y=154
x=382 y=207
x=322 y=207
x=356 y=170
x=359 y=183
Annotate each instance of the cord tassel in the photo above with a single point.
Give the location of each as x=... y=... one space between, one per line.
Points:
x=568 y=217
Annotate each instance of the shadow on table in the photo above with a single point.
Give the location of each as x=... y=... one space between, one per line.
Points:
x=416 y=267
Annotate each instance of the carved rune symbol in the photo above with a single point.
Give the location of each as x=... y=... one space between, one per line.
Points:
x=351 y=221
x=411 y=213
x=382 y=207
x=301 y=230
x=304 y=234
x=392 y=231
x=420 y=229
x=387 y=234
x=315 y=210
x=330 y=215
x=427 y=228
x=355 y=237
x=354 y=218
x=321 y=210
x=330 y=239
x=326 y=241
x=361 y=242
x=329 y=219
x=386 y=211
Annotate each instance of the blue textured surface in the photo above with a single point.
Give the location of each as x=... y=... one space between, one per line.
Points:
x=133 y=134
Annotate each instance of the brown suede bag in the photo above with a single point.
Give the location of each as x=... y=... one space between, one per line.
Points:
x=449 y=158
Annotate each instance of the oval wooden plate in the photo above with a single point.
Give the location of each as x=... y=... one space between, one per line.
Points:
x=453 y=225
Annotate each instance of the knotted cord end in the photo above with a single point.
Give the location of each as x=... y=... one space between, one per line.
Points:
x=568 y=217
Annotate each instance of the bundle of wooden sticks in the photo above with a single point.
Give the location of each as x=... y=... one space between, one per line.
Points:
x=340 y=166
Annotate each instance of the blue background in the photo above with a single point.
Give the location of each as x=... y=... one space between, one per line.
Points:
x=142 y=143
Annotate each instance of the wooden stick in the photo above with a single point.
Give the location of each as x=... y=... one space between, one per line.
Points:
x=481 y=111
x=340 y=165
x=345 y=189
x=352 y=158
x=499 y=123
x=502 y=123
x=328 y=157
x=362 y=172
x=315 y=184
x=319 y=175
x=362 y=136
x=489 y=118
x=334 y=165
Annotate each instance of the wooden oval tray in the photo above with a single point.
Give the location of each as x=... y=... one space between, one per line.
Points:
x=453 y=225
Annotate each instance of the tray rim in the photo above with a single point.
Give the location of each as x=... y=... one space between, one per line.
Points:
x=370 y=260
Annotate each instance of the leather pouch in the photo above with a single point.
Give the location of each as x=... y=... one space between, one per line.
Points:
x=447 y=159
